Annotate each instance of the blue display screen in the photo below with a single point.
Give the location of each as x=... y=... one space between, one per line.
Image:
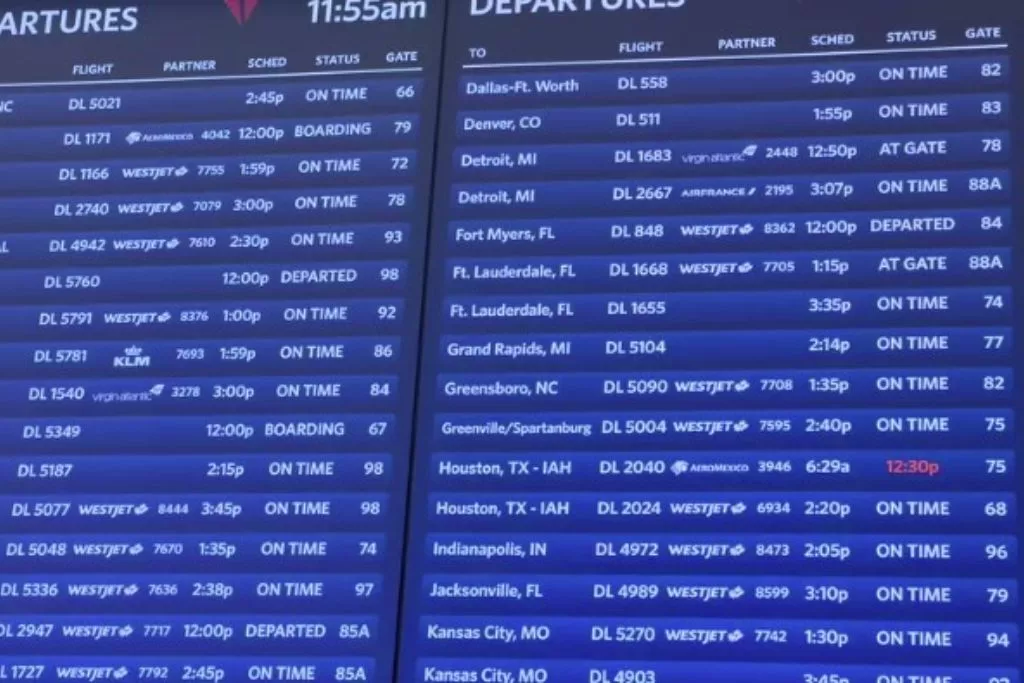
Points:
x=509 y=341
x=214 y=221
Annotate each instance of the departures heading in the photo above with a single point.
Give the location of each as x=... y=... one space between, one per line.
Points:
x=510 y=341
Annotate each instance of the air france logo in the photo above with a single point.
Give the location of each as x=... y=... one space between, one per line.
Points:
x=242 y=9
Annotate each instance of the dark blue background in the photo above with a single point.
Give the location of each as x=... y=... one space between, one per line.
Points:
x=174 y=463
x=691 y=30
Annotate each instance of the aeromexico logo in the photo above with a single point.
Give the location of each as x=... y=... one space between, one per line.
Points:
x=242 y=9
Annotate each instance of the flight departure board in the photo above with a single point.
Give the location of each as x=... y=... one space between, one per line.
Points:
x=213 y=232
x=718 y=363
x=510 y=341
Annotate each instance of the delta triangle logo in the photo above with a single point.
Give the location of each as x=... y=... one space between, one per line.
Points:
x=242 y=9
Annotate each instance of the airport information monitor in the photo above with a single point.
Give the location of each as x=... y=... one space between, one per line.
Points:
x=510 y=341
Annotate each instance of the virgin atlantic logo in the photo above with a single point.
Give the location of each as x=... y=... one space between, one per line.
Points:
x=242 y=9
